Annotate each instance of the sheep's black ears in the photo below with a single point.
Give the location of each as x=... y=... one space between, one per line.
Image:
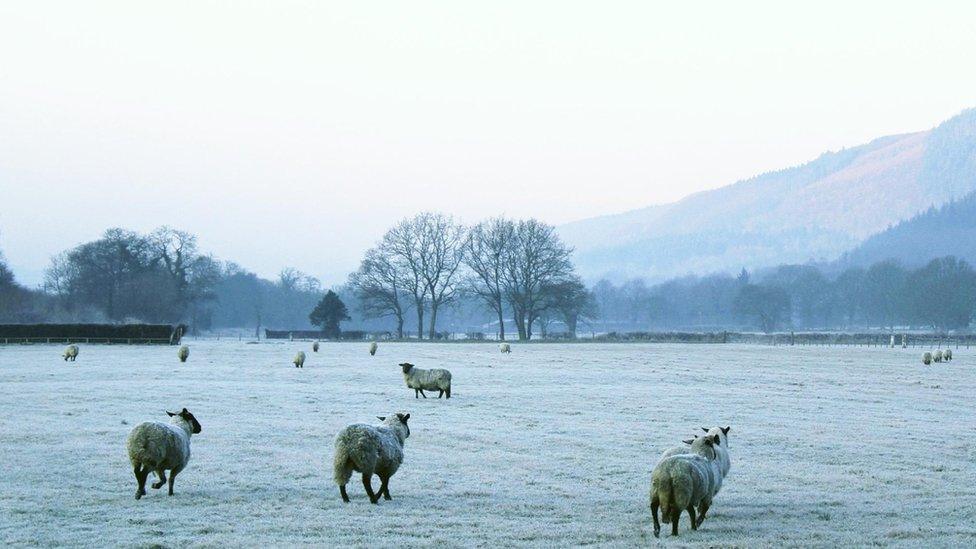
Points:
x=404 y=417
x=688 y=440
x=704 y=429
x=726 y=430
x=170 y=414
x=185 y=411
x=381 y=418
x=717 y=439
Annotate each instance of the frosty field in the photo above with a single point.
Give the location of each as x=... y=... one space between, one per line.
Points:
x=551 y=445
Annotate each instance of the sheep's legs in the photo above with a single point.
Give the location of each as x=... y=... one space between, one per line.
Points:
x=172 y=477
x=675 y=515
x=448 y=392
x=373 y=498
x=654 y=506
x=702 y=510
x=441 y=393
x=385 y=488
x=422 y=393
x=161 y=475
x=342 y=492
x=141 y=474
x=691 y=515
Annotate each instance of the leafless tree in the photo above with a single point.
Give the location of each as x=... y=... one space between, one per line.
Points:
x=485 y=254
x=402 y=247
x=441 y=246
x=379 y=287
x=537 y=258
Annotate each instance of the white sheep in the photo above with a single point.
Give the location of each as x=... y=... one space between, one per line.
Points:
x=937 y=357
x=947 y=355
x=683 y=482
x=299 y=360
x=157 y=446
x=370 y=450
x=722 y=448
x=927 y=358
x=505 y=348
x=431 y=380
x=315 y=347
x=721 y=463
x=372 y=348
x=183 y=353
x=70 y=353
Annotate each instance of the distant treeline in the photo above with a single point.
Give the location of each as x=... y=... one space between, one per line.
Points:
x=434 y=275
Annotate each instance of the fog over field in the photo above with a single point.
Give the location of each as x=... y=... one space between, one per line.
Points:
x=551 y=445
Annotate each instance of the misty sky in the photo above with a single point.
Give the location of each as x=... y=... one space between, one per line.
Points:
x=296 y=133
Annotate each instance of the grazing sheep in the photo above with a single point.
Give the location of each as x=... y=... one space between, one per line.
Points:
x=431 y=380
x=683 y=482
x=70 y=353
x=937 y=357
x=299 y=359
x=183 y=353
x=372 y=348
x=157 y=446
x=370 y=450
x=505 y=348
x=315 y=347
x=927 y=358
x=947 y=355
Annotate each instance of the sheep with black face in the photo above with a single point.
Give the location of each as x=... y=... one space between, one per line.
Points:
x=420 y=380
x=157 y=446
x=370 y=449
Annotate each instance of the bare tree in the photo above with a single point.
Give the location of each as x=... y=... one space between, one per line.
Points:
x=379 y=287
x=401 y=245
x=536 y=258
x=485 y=254
x=441 y=247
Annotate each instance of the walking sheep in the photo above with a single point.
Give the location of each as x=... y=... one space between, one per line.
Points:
x=505 y=348
x=927 y=358
x=682 y=482
x=370 y=450
x=157 y=446
x=937 y=356
x=70 y=353
x=431 y=380
x=183 y=353
x=299 y=359
x=372 y=349
x=315 y=347
x=947 y=355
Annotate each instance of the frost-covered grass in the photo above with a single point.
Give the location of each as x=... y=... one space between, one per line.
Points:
x=550 y=445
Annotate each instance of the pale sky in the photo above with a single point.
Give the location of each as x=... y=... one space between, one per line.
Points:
x=295 y=133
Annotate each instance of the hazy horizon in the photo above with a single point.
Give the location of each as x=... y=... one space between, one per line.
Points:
x=295 y=135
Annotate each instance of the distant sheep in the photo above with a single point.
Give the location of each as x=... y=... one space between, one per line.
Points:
x=183 y=353
x=156 y=446
x=430 y=380
x=505 y=348
x=315 y=347
x=70 y=353
x=937 y=357
x=927 y=358
x=947 y=355
x=372 y=348
x=683 y=482
x=299 y=359
x=370 y=450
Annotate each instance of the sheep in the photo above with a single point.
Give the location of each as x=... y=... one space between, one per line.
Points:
x=722 y=449
x=183 y=353
x=721 y=463
x=70 y=353
x=684 y=481
x=299 y=360
x=370 y=450
x=315 y=347
x=157 y=446
x=937 y=357
x=430 y=380
x=947 y=355
x=372 y=348
x=927 y=358
x=505 y=348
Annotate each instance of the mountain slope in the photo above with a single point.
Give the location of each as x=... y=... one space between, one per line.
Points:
x=814 y=211
x=938 y=232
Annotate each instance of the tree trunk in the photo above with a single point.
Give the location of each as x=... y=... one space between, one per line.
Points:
x=432 y=330
x=420 y=322
x=399 y=326
x=501 y=321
